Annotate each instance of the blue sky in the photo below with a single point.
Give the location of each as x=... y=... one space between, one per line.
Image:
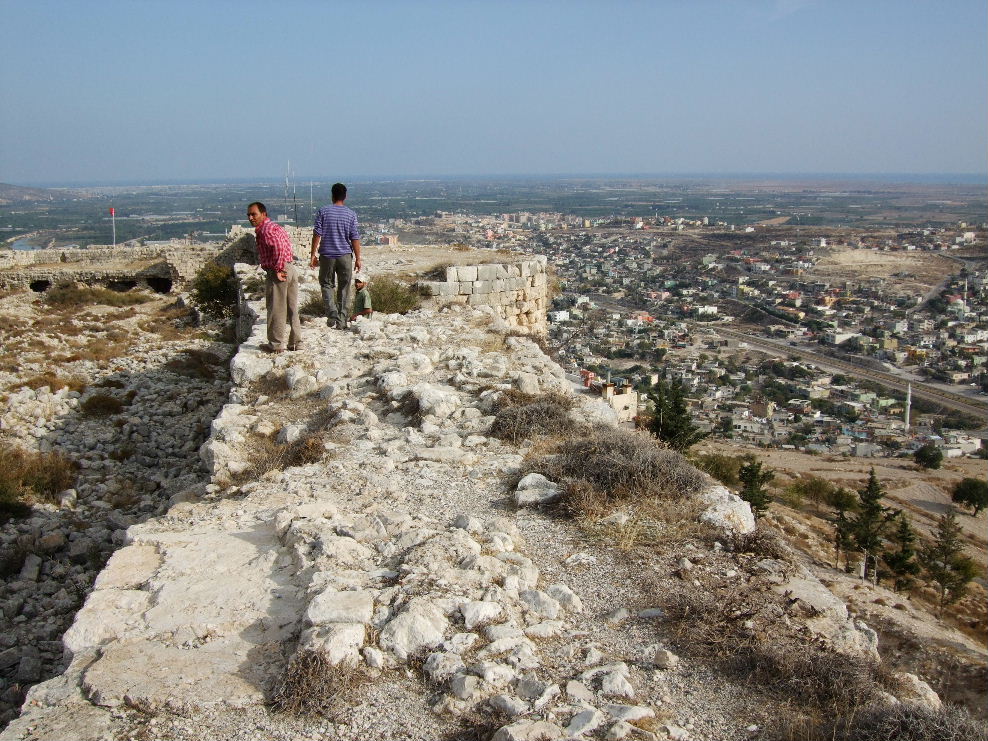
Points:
x=151 y=90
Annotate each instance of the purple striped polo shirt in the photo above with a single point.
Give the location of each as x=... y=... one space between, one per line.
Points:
x=336 y=227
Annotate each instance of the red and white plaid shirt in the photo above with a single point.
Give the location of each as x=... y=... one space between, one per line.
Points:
x=274 y=246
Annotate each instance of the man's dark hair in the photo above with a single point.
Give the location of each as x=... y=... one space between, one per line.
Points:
x=260 y=206
x=339 y=192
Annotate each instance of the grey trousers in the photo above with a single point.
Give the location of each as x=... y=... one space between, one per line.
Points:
x=281 y=302
x=336 y=298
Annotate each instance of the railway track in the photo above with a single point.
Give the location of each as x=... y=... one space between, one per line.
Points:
x=922 y=390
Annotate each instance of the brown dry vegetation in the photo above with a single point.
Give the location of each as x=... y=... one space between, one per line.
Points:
x=311 y=686
x=27 y=477
x=519 y=416
x=950 y=655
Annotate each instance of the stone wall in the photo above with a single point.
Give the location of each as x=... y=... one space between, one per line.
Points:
x=517 y=291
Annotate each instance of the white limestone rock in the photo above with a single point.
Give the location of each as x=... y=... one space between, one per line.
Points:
x=441 y=666
x=509 y=705
x=540 y=603
x=331 y=606
x=340 y=643
x=465 y=686
x=420 y=625
x=616 y=685
x=662 y=657
x=535 y=489
x=585 y=722
x=529 y=730
x=627 y=712
x=726 y=510
x=566 y=597
x=477 y=613
x=248 y=366
x=107 y=615
x=914 y=690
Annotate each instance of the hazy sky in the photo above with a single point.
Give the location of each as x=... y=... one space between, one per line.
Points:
x=150 y=90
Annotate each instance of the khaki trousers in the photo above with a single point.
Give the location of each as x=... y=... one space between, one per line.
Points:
x=281 y=302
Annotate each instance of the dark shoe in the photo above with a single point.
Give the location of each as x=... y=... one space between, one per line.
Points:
x=268 y=347
x=296 y=346
x=331 y=322
x=342 y=325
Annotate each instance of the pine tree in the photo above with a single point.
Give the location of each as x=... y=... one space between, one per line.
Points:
x=902 y=561
x=672 y=422
x=945 y=562
x=753 y=480
x=870 y=522
x=842 y=538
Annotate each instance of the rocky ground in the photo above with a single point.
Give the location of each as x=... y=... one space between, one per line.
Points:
x=130 y=463
x=364 y=548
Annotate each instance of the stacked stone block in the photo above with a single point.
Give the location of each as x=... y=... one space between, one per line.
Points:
x=517 y=291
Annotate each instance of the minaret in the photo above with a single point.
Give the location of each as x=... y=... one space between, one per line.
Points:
x=909 y=403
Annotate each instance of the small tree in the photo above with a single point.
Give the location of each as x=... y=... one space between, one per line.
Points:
x=945 y=563
x=816 y=489
x=672 y=422
x=214 y=290
x=929 y=456
x=902 y=561
x=753 y=479
x=843 y=542
x=868 y=525
x=971 y=493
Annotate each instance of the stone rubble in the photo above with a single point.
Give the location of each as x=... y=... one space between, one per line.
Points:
x=130 y=465
x=399 y=553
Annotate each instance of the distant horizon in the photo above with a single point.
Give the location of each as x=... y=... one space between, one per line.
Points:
x=920 y=178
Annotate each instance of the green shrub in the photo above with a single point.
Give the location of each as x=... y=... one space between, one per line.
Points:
x=69 y=296
x=391 y=297
x=722 y=467
x=313 y=307
x=214 y=290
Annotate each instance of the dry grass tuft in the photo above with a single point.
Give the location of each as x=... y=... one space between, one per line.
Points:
x=101 y=405
x=69 y=295
x=902 y=722
x=195 y=363
x=53 y=381
x=312 y=686
x=26 y=477
x=762 y=542
x=313 y=307
x=268 y=455
x=520 y=416
x=605 y=468
x=96 y=351
x=740 y=631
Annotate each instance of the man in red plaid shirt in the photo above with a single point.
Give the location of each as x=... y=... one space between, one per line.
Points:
x=275 y=253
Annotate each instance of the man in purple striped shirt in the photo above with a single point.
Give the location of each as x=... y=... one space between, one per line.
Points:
x=336 y=239
x=275 y=254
